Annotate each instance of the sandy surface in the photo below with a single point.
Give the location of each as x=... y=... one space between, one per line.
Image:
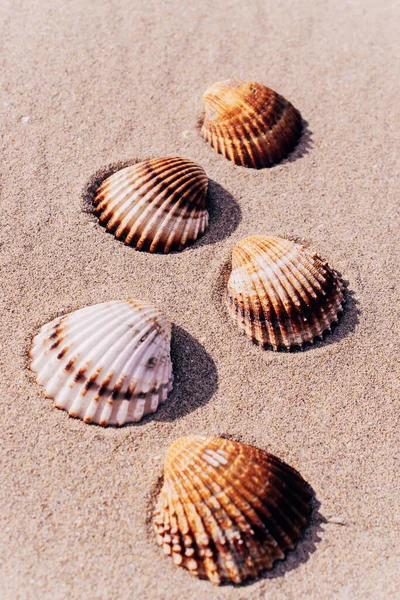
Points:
x=85 y=84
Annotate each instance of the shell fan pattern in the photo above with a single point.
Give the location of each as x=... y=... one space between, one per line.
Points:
x=157 y=205
x=250 y=124
x=227 y=510
x=280 y=294
x=108 y=364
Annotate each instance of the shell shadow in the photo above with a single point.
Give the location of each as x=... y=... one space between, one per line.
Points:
x=224 y=212
x=224 y=215
x=303 y=146
x=195 y=377
x=304 y=548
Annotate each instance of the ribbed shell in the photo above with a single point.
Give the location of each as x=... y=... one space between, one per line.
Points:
x=281 y=294
x=108 y=364
x=157 y=205
x=249 y=123
x=226 y=510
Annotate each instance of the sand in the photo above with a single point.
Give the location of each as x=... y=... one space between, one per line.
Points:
x=86 y=84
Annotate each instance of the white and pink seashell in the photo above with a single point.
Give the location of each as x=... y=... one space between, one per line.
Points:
x=108 y=364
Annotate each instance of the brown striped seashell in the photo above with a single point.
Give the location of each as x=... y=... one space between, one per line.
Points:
x=228 y=511
x=157 y=205
x=108 y=364
x=280 y=293
x=249 y=123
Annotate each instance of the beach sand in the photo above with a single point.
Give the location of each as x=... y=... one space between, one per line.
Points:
x=88 y=84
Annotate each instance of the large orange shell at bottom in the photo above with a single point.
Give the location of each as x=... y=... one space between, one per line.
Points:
x=227 y=510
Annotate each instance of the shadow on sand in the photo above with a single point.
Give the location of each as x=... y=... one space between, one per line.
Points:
x=303 y=147
x=195 y=378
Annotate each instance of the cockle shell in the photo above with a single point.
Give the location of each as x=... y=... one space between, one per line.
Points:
x=249 y=123
x=157 y=205
x=281 y=294
x=108 y=364
x=226 y=510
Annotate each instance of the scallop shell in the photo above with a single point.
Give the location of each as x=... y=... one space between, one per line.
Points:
x=157 y=205
x=281 y=294
x=108 y=364
x=249 y=123
x=226 y=510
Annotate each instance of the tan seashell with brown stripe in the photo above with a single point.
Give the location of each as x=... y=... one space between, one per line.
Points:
x=108 y=364
x=281 y=294
x=250 y=124
x=157 y=205
x=227 y=511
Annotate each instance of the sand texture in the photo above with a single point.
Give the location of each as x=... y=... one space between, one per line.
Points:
x=86 y=84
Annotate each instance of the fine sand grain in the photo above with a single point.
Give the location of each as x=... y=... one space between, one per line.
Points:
x=85 y=85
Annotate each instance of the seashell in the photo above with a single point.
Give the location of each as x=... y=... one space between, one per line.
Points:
x=157 y=205
x=281 y=294
x=249 y=123
x=226 y=510
x=108 y=364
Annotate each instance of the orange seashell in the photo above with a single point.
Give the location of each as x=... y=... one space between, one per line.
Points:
x=157 y=205
x=280 y=294
x=249 y=123
x=226 y=510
